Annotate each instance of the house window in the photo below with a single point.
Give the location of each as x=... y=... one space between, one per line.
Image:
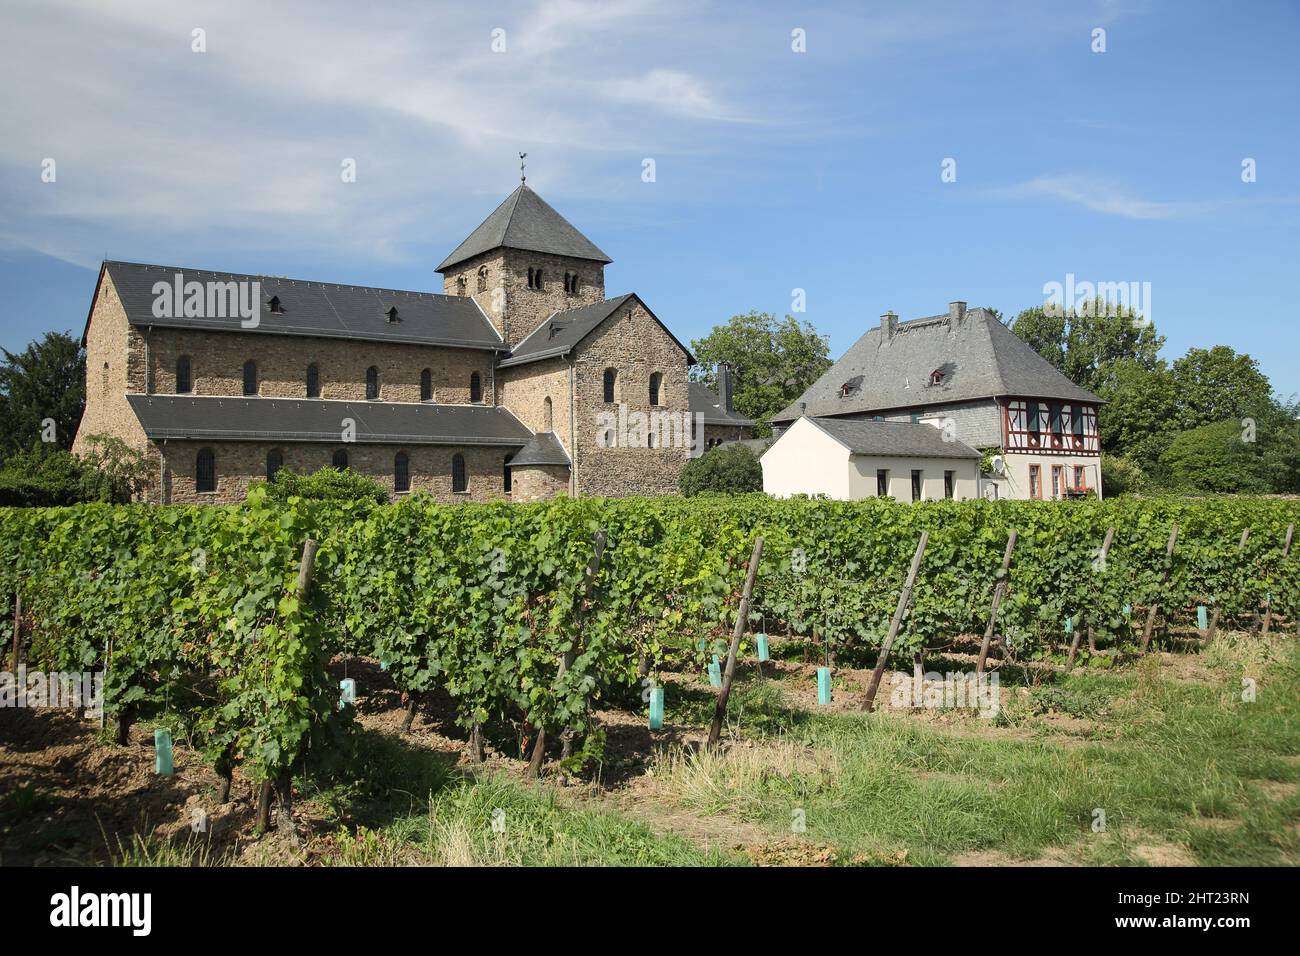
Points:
x=916 y=484
x=949 y=479
x=401 y=472
x=507 y=480
x=274 y=462
x=650 y=439
x=936 y=377
x=426 y=386
x=274 y=305
x=392 y=315
x=482 y=278
x=475 y=388
x=882 y=482
x=1078 y=478
x=461 y=285
x=535 y=279
x=184 y=384
x=250 y=377
x=611 y=378
x=547 y=426
x=1058 y=481
x=459 y=481
x=372 y=383
x=1032 y=422
x=1035 y=481
x=340 y=460
x=571 y=283
x=916 y=418
x=656 y=385
x=205 y=471
x=1076 y=424
x=313 y=381
x=1058 y=424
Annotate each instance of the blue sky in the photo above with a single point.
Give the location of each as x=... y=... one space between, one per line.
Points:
x=774 y=170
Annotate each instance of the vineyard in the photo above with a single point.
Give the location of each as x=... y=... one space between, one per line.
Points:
x=220 y=623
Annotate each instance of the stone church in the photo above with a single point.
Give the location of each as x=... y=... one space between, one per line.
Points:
x=520 y=380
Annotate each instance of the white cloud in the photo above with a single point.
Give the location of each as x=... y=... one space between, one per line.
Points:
x=1103 y=196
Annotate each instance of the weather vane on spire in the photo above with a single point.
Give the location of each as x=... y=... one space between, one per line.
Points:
x=522 y=177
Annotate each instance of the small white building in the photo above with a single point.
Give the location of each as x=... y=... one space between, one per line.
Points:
x=849 y=459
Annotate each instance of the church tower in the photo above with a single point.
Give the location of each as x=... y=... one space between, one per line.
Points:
x=524 y=263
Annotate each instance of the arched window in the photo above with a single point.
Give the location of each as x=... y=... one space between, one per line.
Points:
x=650 y=439
x=538 y=280
x=611 y=378
x=459 y=481
x=482 y=278
x=340 y=460
x=507 y=482
x=184 y=383
x=250 y=377
x=475 y=388
x=372 y=383
x=547 y=425
x=426 y=386
x=274 y=462
x=460 y=285
x=205 y=471
x=534 y=278
x=530 y=277
x=656 y=386
x=401 y=472
x=313 y=381
x=571 y=283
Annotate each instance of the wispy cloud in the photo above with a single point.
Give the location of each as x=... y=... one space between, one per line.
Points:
x=1102 y=196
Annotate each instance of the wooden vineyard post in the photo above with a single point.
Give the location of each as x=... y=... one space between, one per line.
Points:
x=1268 y=601
x=1214 y=618
x=742 y=621
x=1078 y=631
x=588 y=582
x=999 y=591
x=1155 y=605
x=904 y=598
x=283 y=784
x=18 y=629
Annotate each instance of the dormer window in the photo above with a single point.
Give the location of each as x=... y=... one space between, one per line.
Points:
x=391 y=315
x=851 y=386
x=936 y=377
x=273 y=304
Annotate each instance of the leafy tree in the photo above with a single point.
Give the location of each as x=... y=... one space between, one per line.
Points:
x=1121 y=476
x=46 y=476
x=112 y=470
x=731 y=469
x=1086 y=343
x=1141 y=413
x=45 y=380
x=772 y=362
x=1219 y=458
x=332 y=484
x=1217 y=384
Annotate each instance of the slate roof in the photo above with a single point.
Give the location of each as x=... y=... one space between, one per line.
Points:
x=703 y=399
x=316 y=420
x=543 y=449
x=319 y=309
x=980 y=358
x=525 y=221
x=559 y=334
x=893 y=439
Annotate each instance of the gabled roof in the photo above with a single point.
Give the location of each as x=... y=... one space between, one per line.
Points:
x=543 y=449
x=316 y=420
x=318 y=309
x=525 y=221
x=893 y=439
x=704 y=400
x=978 y=358
x=559 y=334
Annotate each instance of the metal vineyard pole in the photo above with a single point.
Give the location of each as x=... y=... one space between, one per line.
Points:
x=999 y=591
x=895 y=623
x=742 y=619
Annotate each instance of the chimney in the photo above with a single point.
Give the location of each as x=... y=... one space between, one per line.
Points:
x=803 y=409
x=724 y=387
x=888 y=325
x=956 y=312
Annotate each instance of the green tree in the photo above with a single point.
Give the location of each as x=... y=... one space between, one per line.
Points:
x=731 y=469
x=1219 y=458
x=1141 y=413
x=45 y=380
x=327 y=484
x=772 y=362
x=1086 y=343
x=1217 y=384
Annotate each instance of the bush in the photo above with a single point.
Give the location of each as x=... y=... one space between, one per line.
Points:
x=731 y=469
x=328 y=484
x=1121 y=476
x=45 y=477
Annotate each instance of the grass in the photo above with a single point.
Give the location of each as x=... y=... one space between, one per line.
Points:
x=1162 y=755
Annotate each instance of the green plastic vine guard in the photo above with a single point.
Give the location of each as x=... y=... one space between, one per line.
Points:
x=762 y=647
x=162 y=756
x=1128 y=610
x=1069 y=625
x=347 y=692
x=823 y=685
x=1202 y=618
x=656 y=708
x=715 y=672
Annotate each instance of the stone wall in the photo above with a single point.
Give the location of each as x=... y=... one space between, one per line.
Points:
x=716 y=434
x=524 y=389
x=539 y=482
x=114 y=366
x=634 y=344
x=239 y=463
x=217 y=366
